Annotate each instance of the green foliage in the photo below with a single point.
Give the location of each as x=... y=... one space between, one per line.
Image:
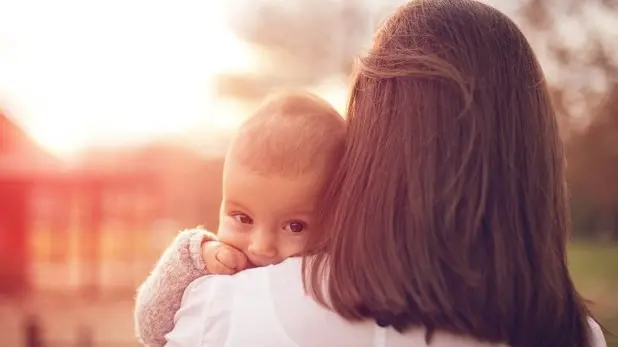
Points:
x=594 y=267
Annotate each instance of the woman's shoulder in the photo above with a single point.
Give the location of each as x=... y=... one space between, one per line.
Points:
x=205 y=310
x=215 y=287
x=597 y=338
x=289 y=269
x=208 y=305
x=208 y=296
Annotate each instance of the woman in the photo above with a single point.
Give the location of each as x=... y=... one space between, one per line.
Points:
x=448 y=222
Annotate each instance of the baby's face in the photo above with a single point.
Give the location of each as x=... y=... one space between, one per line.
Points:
x=267 y=216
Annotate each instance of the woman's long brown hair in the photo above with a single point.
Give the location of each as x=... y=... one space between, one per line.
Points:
x=450 y=207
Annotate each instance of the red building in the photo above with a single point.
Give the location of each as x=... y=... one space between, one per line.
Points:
x=52 y=214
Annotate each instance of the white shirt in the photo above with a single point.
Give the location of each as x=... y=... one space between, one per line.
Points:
x=267 y=307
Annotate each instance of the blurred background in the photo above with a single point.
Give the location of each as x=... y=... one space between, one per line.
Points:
x=115 y=115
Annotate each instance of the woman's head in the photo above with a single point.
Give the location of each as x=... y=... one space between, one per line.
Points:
x=450 y=209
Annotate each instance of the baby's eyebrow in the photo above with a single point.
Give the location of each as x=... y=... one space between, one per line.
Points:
x=231 y=203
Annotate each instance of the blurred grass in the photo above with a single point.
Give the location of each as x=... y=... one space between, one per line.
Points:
x=594 y=267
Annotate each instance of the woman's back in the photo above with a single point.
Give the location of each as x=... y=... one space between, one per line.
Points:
x=268 y=307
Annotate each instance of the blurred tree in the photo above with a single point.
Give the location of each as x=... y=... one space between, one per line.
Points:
x=579 y=42
x=299 y=43
x=593 y=162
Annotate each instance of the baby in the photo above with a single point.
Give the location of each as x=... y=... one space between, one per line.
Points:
x=275 y=172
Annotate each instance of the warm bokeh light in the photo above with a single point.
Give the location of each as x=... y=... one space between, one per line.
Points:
x=115 y=72
x=82 y=229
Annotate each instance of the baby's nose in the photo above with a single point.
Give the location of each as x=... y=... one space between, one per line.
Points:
x=264 y=247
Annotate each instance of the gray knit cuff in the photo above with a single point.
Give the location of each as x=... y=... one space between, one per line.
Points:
x=198 y=237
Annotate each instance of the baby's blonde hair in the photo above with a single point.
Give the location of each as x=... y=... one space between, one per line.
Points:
x=291 y=133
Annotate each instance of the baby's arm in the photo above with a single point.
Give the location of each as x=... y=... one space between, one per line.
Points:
x=159 y=297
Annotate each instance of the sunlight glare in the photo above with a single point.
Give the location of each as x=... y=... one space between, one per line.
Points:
x=109 y=73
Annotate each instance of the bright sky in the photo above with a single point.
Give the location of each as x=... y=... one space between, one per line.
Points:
x=78 y=73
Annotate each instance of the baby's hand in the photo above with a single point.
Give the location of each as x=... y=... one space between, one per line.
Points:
x=223 y=259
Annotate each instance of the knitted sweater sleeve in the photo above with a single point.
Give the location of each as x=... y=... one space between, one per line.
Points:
x=159 y=297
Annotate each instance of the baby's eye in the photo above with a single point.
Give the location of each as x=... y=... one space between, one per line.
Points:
x=243 y=218
x=296 y=227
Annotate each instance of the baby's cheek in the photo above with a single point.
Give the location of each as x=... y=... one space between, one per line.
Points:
x=293 y=247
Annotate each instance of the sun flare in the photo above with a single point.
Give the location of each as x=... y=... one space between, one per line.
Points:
x=83 y=74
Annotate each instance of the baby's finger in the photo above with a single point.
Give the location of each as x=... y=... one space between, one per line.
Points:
x=232 y=258
x=218 y=268
x=213 y=265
